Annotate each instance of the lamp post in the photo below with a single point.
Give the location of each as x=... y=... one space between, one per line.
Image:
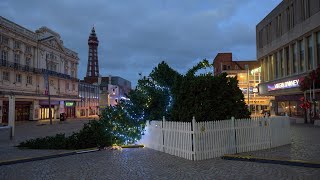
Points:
x=48 y=89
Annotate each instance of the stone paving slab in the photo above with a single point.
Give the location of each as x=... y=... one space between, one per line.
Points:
x=305 y=145
x=34 y=129
x=144 y=163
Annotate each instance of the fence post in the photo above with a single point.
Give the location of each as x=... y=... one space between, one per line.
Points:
x=162 y=132
x=193 y=138
x=235 y=134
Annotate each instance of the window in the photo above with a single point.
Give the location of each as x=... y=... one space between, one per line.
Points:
x=29 y=79
x=224 y=67
x=294 y=58
x=73 y=87
x=4 y=57
x=65 y=70
x=287 y=61
x=246 y=66
x=18 y=78
x=28 y=61
x=6 y=76
x=318 y=46
x=28 y=49
x=72 y=74
x=16 y=45
x=310 y=53
x=281 y=63
x=279 y=29
x=302 y=60
x=229 y=67
x=4 y=40
x=236 y=67
x=17 y=58
x=276 y=68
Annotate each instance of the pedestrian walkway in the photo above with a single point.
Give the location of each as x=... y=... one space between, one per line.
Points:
x=25 y=130
x=305 y=145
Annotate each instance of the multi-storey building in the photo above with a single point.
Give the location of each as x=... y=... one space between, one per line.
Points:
x=34 y=66
x=248 y=74
x=89 y=104
x=288 y=48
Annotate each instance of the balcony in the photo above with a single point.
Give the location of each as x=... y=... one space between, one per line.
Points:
x=20 y=67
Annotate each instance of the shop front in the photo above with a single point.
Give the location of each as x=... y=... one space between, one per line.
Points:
x=45 y=108
x=287 y=95
x=70 y=109
x=22 y=111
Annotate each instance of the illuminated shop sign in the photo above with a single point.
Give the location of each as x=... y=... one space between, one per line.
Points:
x=284 y=85
x=68 y=104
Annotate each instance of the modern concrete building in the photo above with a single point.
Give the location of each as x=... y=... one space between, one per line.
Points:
x=288 y=48
x=248 y=74
x=34 y=65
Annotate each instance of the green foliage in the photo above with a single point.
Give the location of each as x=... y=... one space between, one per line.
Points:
x=122 y=120
x=180 y=97
x=93 y=134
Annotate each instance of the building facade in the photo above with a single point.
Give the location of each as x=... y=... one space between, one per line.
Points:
x=248 y=74
x=288 y=48
x=34 y=66
x=89 y=104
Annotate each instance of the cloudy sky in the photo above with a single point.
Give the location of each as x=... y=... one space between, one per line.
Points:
x=135 y=35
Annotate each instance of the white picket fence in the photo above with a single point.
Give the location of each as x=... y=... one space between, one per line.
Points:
x=205 y=140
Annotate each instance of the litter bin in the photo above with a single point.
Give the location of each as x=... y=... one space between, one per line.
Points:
x=63 y=116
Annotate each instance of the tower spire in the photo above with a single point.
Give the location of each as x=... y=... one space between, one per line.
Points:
x=93 y=64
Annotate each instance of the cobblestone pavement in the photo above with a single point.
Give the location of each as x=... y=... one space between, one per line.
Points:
x=146 y=163
x=305 y=145
x=27 y=130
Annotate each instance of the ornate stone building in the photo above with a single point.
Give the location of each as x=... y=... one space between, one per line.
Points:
x=34 y=66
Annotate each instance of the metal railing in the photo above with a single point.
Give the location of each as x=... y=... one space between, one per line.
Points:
x=26 y=68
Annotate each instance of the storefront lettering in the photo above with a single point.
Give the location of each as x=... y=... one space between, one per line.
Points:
x=284 y=85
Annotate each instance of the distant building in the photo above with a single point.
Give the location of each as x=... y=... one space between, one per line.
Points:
x=89 y=104
x=248 y=74
x=288 y=48
x=34 y=65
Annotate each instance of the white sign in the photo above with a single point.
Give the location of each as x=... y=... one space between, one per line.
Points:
x=284 y=85
x=287 y=84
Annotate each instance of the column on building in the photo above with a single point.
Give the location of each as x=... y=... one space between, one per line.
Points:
x=1 y=109
x=34 y=110
x=12 y=109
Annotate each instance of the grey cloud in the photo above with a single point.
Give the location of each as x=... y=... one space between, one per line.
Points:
x=136 y=35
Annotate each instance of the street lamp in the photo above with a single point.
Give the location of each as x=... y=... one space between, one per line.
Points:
x=48 y=89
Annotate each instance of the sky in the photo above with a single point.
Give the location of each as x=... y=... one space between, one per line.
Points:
x=135 y=35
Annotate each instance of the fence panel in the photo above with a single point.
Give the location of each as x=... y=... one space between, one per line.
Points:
x=204 y=140
x=177 y=139
x=213 y=139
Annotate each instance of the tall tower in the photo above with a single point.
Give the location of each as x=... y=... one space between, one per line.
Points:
x=93 y=65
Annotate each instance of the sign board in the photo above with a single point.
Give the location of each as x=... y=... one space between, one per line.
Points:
x=68 y=104
x=255 y=90
x=284 y=85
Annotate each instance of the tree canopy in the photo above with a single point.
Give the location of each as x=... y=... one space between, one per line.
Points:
x=165 y=92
